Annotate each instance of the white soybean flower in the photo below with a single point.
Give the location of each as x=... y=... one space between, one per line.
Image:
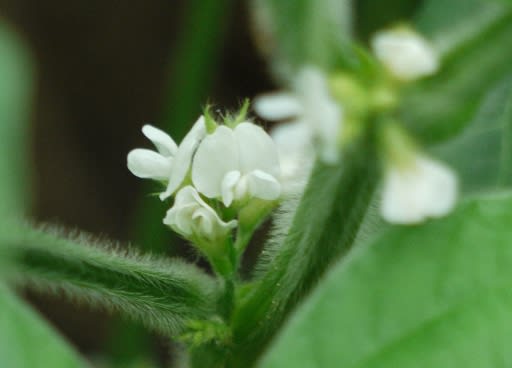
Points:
x=420 y=189
x=170 y=164
x=183 y=158
x=296 y=154
x=405 y=53
x=311 y=107
x=148 y=164
x=237 y=164
x=193 y=218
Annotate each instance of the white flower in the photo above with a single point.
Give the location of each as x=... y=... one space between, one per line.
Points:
x=183 y=157
x=311 y=105
x=149 y=164
x=406 y=54
x=193 y=218
x=425 y=188
x=296 y=154
x=171 y=163
x=235 y=164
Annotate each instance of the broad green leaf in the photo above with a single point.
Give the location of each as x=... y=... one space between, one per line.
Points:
x=372 y=16
x=434 y=295
x=26 y=341
x=439 y=107
x=302 y=32
x=162 y=295
x=482 y=153
x=15 y=74
x=450 y=25
x=322 y=229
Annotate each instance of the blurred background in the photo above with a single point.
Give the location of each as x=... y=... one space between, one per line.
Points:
x=103 y=69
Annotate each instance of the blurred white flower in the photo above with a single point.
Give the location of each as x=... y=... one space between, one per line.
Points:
x=296 y=155
x=236 y=164
x=423 y=188
x=405 y=53
x=149 y=164
x=309 y=105
x=193 y=218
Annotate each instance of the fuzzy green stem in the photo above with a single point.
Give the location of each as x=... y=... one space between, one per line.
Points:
x=339 y=197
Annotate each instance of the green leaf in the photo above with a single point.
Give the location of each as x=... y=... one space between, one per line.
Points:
x=482 y=153
x=322 y=230
x=435 y=295
x=372 y=16
x=15 y=74
x=302 y=32
x=163 y=295
x=27 y=341
x=451 y=25
x=437 y=108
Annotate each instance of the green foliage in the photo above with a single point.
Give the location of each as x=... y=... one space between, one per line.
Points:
x=475 y=58
x=302 y=32
x=373 y=16
x=15 y=74
x=455 y=24
x=435 y=295
x=161 y=294
x=27 y=341
x=298 y=256
x=482 y=153
x=427 y=296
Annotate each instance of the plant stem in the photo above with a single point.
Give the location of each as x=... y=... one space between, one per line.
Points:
x=339 y=198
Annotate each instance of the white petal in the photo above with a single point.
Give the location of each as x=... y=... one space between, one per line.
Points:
x=203 y=221
x=216 y=156
x=399 y=199
x=296 y=154
x=183 y=157
x=413 y=194
x=322 y=113
x=257 y=150
x=179 y=215
x=263 y=185
x=228 y=186
x=191 y=216
x=442 y=187
x=277 y=106
x=407 y=55
x=310 y=83
x=292 y=138
x=149 y=164
x=162 y=141
x=328 y=131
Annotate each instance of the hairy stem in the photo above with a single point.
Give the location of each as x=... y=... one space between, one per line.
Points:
x=162 y=295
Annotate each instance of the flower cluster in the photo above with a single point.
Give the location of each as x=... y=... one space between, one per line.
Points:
x=415 y=187
x=224 y=176
x=216 y=172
